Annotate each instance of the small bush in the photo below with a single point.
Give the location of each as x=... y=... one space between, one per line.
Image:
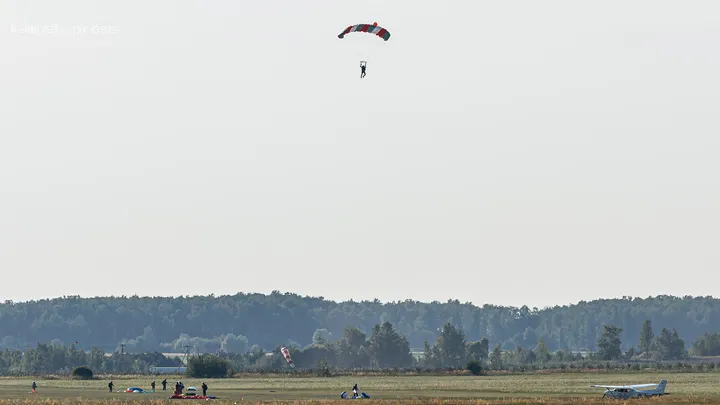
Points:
x=208 y=366
x=474 y=367
x=323 y=370
x=83 y=373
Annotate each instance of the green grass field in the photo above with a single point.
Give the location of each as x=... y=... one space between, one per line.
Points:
x=557 y=388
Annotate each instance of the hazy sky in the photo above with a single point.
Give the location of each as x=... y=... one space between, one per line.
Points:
x=499 y=152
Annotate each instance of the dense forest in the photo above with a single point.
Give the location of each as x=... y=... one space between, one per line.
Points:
x=239 y=322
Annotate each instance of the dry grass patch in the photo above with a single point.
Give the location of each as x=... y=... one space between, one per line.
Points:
x=429 y=401
x=695 y=388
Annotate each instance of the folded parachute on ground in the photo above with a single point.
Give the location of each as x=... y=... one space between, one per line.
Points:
x=184 y=396
x=362 y=395
x=138 y=390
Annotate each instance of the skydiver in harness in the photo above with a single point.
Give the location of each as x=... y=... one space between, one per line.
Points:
x=363 y=64
x=355 y=388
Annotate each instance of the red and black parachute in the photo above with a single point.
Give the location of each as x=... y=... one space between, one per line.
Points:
x=373 y=28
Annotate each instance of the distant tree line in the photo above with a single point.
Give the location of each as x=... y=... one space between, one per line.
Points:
x=54 y=359
x=386 y=348
x=382 y=350
x=236 y=323
x=706 y=345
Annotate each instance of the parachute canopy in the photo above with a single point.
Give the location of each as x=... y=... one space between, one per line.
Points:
x=369 y=28
x=286 y=353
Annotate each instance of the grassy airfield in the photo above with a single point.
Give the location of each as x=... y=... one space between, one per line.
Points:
x=557 y=388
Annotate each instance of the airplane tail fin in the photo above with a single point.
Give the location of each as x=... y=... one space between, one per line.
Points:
x=661 y=387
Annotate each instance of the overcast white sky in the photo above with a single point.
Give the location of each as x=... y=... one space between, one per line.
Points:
x=498 y=152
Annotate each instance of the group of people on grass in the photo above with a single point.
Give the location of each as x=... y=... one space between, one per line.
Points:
x=179 y=387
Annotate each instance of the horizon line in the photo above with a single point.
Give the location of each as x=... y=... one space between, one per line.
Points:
x=350 y=300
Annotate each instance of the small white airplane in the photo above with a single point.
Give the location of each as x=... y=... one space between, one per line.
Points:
x=632 y=391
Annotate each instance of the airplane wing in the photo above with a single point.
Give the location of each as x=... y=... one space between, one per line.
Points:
x=643 y=385
x=624 y=386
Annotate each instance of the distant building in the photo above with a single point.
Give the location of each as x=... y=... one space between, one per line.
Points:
x=167 y=370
